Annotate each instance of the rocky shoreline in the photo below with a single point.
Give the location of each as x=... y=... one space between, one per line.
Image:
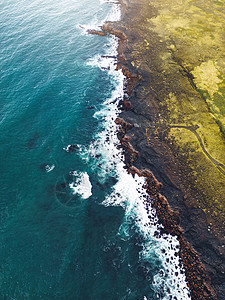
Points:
x=146 y=107
x=145 y=134
x=143 y=138
x=197 y=277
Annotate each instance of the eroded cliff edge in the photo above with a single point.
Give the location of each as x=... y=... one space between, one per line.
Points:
x=175 y=51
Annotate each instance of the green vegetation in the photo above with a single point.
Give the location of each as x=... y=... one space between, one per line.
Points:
x=188 y=69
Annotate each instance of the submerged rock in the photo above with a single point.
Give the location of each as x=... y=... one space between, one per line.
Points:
x=47 y=167
x=71 y=148
x=97 y=32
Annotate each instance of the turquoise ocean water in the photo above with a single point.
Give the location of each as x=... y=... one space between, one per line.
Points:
x=73 y=224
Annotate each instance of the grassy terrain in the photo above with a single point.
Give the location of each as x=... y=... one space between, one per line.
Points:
x=183 y=49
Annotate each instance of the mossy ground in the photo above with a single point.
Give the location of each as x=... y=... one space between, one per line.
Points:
x=194 y=31
x=183 y=49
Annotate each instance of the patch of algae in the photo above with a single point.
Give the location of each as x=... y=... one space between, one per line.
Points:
x=195 y=30
x=193 y=96
x=211 y=83
x=207 y=77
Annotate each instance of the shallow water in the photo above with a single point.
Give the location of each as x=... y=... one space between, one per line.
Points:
x=74 y=225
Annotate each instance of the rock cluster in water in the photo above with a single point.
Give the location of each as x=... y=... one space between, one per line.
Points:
x=97 y=32
x=71 y=148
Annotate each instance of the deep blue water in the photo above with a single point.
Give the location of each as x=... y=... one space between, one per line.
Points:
x=55 y=243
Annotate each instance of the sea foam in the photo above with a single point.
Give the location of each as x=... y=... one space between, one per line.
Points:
x=129 y=192
x=82 y=185
x=49 y=168
x=113 y=15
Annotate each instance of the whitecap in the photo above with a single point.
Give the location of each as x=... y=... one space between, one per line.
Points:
x=82 y=185
x=71 y=148
x=49 y=168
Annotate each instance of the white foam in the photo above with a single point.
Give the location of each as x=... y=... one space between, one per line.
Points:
x=114 y=15
x=81 y=185
x=49 y=168
x=67 y=149
x=109 y=1
x=129 y=191
x=72 y=148
x=106 y=62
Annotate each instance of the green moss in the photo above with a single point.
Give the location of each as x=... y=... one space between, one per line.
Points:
x=206 y=77
x=181 y=46
x=194 y=94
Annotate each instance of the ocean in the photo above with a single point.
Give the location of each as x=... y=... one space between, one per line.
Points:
x=73 y=223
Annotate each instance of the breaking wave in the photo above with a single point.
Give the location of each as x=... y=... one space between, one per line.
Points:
x=129 y=192
x=82 y=185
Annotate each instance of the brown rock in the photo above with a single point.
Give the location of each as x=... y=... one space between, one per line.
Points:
x=97 y=32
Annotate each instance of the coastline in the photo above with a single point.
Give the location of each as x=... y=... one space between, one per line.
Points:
x=145 y=149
